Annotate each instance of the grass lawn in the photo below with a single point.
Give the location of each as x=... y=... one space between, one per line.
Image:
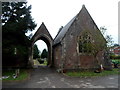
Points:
x=22 y=76
x=90 y=73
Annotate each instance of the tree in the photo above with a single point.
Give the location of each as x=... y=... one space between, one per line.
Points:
x=16 y=21
x=108 y=38
x=110 y=42
x=116 y=45
x=17 y=15
x=36 y=52
x=44 y=53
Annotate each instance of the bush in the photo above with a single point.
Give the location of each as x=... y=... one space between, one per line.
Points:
x=114 y=57
x=41 y=61
x=12 y=60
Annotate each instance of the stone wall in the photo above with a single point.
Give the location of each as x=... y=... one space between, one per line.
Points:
x=57 y=56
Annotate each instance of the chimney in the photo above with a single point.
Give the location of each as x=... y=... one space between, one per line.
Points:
x=83 y=6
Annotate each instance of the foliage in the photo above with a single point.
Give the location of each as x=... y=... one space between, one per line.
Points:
x=116 y=45
x=36 y=62
x=114 y=57
x=91 y=74
x=16 y=21
x=92 y=43
x=36 y=52
x=108 y=38
x=44 y=63
x=44 y=53
x=89 y=43
x=116 y=61
x=41 y=61
x=17 y=15
x=85 y=45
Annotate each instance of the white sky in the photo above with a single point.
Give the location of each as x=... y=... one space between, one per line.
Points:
x=57 y=13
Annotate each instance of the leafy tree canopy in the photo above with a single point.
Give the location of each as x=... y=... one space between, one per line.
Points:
x=16 y=21
x=17 y=16
x=116 y=44
x=108 y=38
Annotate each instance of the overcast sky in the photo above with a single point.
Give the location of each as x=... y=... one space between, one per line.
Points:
x=57 y=13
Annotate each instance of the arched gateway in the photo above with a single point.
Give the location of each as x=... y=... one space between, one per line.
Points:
x=42 y=34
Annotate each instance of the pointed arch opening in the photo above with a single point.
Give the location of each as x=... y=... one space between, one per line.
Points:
x=40 y=53
x=49 y=48
x=42 y=34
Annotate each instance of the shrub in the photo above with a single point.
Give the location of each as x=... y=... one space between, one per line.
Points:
x=114 y=57
x=40 y=61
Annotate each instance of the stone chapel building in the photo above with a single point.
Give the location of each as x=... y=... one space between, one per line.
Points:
x=78 y=45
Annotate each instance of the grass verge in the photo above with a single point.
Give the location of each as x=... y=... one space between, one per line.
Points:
x=22 y=76
x=91 y=74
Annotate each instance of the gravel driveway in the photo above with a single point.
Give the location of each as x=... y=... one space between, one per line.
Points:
x=44 y=77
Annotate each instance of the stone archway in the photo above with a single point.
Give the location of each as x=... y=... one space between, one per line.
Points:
x=42 y=34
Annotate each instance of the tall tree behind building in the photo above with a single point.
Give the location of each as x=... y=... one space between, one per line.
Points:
x=16 y=21
x=44 y=53
x=36 y=52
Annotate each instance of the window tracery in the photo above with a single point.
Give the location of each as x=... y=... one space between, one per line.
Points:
x=85 y=43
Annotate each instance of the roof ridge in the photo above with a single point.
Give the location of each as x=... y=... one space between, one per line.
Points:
x=42 y=24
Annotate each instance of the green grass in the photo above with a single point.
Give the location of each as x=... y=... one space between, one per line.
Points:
x=91 y=74
x=22 y=76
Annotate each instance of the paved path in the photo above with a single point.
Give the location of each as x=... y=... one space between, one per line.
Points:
x=44 y=77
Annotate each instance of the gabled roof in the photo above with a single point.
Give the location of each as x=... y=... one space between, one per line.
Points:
x=62 y=33
x=82 y=16
x=42 y=30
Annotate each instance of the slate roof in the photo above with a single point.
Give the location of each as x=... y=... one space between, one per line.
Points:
x=62 y=33
x=64 y=30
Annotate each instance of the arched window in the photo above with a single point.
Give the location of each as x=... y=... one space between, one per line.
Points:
x=85 y=45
